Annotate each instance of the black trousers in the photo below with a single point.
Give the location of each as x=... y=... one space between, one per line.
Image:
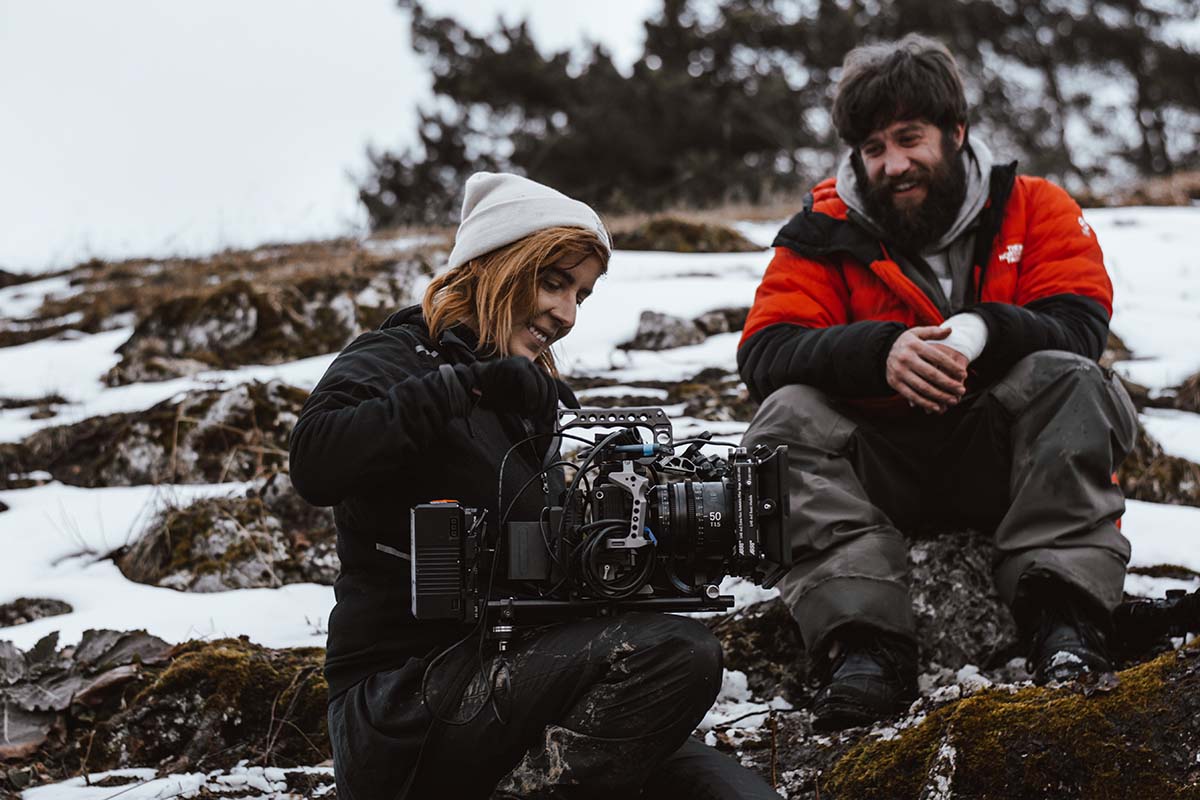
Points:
x=577 y=710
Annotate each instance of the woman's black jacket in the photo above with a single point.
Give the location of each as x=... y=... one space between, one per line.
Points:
x=377 y=437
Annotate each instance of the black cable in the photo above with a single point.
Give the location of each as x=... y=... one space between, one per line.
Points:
x=481 y=624
x=611 y=590
x=509 y=452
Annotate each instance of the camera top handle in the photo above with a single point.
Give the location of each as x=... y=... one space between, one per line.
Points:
x=635 y=417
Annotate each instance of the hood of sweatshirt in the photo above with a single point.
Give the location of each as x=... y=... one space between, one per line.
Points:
x=978 y=160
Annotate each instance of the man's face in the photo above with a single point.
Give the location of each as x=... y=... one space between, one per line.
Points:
x=913 y=179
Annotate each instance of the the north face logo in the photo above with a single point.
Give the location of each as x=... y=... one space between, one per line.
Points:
x=1012 y=253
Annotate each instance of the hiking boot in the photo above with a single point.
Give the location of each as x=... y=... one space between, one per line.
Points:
x=1066 y=632
x=871 y=676
x=1067 y=647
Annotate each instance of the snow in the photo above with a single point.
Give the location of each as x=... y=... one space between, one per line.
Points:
x=1177 y=431
x=1162 y=534
x=56 y=538
x=1156 y=284
x=66 y=367
x=240 y=781
x=734 y=700
x=586 y=395
x=678 y=284
x=22 y=300
x=69 y=366
x=760 y=233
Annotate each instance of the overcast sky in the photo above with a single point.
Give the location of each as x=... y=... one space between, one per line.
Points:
x=143 y=127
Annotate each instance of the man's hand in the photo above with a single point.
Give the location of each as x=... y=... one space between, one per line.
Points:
x=929 y=376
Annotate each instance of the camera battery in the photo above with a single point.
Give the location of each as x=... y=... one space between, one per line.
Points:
x=528 y=558
x=439 y=533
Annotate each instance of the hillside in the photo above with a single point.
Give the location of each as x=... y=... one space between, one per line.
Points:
x=144 y=413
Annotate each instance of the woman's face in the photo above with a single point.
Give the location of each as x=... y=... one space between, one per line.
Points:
x=560 y=291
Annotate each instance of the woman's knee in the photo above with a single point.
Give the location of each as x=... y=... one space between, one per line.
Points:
x=688 y=649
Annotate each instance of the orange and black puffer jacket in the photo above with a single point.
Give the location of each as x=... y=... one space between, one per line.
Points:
x=835 y=297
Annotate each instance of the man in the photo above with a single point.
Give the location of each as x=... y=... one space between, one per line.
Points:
x=925 y=341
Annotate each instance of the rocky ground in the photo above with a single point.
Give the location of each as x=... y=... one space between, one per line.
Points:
x=249 y=715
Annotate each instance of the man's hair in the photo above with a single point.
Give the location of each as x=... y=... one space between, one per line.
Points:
x=914 y=78
x=497 y=291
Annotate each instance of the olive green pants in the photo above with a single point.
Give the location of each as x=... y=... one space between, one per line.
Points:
x=1030 y=457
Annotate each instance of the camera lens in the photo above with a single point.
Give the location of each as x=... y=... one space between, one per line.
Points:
x=693 y=518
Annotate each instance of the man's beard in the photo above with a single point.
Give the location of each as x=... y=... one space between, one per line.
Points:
x=914 y=228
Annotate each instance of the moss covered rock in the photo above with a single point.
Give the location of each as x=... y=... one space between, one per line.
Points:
x=676 y=235
x=27 y=609
x=217 y=703
x=127 y=699
x=239 y=322
x=206 y=436
x=1138 y=740
x=266 y=537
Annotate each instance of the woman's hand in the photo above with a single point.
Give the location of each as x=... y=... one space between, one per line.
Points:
x=514 y=384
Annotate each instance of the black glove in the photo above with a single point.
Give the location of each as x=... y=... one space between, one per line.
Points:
x=512 y=384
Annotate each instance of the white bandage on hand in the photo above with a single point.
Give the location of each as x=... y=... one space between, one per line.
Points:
x=968 y=334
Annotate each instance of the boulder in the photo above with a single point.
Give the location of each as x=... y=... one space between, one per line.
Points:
x=675 y=235
x=722 y=320
x=979 y=728
x=658 y=331
x=970 y=737
x=960 y=620
x=204 y=436
x=46 y=691
x=267 y=537
x=240 y=322
x=27 y=609
x=286 y=283
x=240 y=701
x=1138 y=739
x=127 y=699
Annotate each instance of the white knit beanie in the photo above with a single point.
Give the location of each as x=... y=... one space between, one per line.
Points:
x=499 y=208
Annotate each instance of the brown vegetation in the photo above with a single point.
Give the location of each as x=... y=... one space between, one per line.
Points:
x=675 y=235
x=207 y=436
x=1150 y=474
x=266 y=537
x=112 y=293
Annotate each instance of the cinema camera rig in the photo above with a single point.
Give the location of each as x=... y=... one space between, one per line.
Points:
x=640 y=528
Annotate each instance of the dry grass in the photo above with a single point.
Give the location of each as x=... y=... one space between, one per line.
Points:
x=108 y=288
x=778 y=208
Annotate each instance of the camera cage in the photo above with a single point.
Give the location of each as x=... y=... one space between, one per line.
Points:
x=447 y=545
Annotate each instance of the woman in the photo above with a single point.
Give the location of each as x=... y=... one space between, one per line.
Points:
x=425 y=408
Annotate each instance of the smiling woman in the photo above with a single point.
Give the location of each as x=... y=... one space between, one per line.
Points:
x=452 y=399
x=521 y=298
